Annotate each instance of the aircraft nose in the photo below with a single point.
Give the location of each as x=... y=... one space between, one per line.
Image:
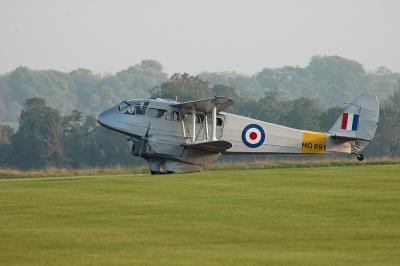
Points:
x=107 y=118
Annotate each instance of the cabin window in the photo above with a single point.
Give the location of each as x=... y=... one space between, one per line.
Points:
x=220 y=122
x=176 y=116
x=157 y=113
x=140 y=109
x=166 y=115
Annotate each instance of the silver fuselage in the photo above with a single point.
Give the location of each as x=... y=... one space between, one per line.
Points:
x=159 y=132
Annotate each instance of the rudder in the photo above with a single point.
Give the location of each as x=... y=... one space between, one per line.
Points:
x=358 y=121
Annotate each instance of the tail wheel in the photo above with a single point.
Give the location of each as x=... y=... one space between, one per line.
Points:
x=360 y=157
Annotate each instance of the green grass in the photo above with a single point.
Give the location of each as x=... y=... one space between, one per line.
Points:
x=308 y=216
x=6 y=173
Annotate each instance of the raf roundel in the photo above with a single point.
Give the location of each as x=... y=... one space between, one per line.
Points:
x=253 y=136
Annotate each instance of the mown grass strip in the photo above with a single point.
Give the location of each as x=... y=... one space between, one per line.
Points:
x=7 y=173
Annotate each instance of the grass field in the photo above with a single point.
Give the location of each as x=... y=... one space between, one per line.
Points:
x=309 y=216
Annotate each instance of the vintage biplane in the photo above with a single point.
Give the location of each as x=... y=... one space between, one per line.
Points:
x=177 y=137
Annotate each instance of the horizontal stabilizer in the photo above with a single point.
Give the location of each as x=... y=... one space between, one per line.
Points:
x=349 y=138
x=211 y=146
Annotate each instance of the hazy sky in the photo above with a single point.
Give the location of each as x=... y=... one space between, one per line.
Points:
x=194 y=36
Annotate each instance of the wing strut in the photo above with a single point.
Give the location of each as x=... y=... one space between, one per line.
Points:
x=194 y=124
x=209 y=106
x=214 y=123
x=206 y=125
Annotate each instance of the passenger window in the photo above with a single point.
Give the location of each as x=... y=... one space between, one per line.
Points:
x=176 y=116
x=140 y=110
x=156 y=113
x=220 y=122
x=166 y=116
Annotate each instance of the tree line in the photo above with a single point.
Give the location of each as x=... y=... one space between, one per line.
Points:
x=80 y=89
x=331 y=80
x=45 y=137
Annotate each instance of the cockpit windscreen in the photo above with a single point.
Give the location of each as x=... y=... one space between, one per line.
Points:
x=133 y=107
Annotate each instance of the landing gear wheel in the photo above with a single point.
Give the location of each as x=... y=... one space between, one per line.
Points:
x=360 y=157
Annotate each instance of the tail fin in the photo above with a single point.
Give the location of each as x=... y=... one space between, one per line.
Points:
x=358 y=121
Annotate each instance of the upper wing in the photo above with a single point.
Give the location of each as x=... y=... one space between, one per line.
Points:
x=205 y=105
